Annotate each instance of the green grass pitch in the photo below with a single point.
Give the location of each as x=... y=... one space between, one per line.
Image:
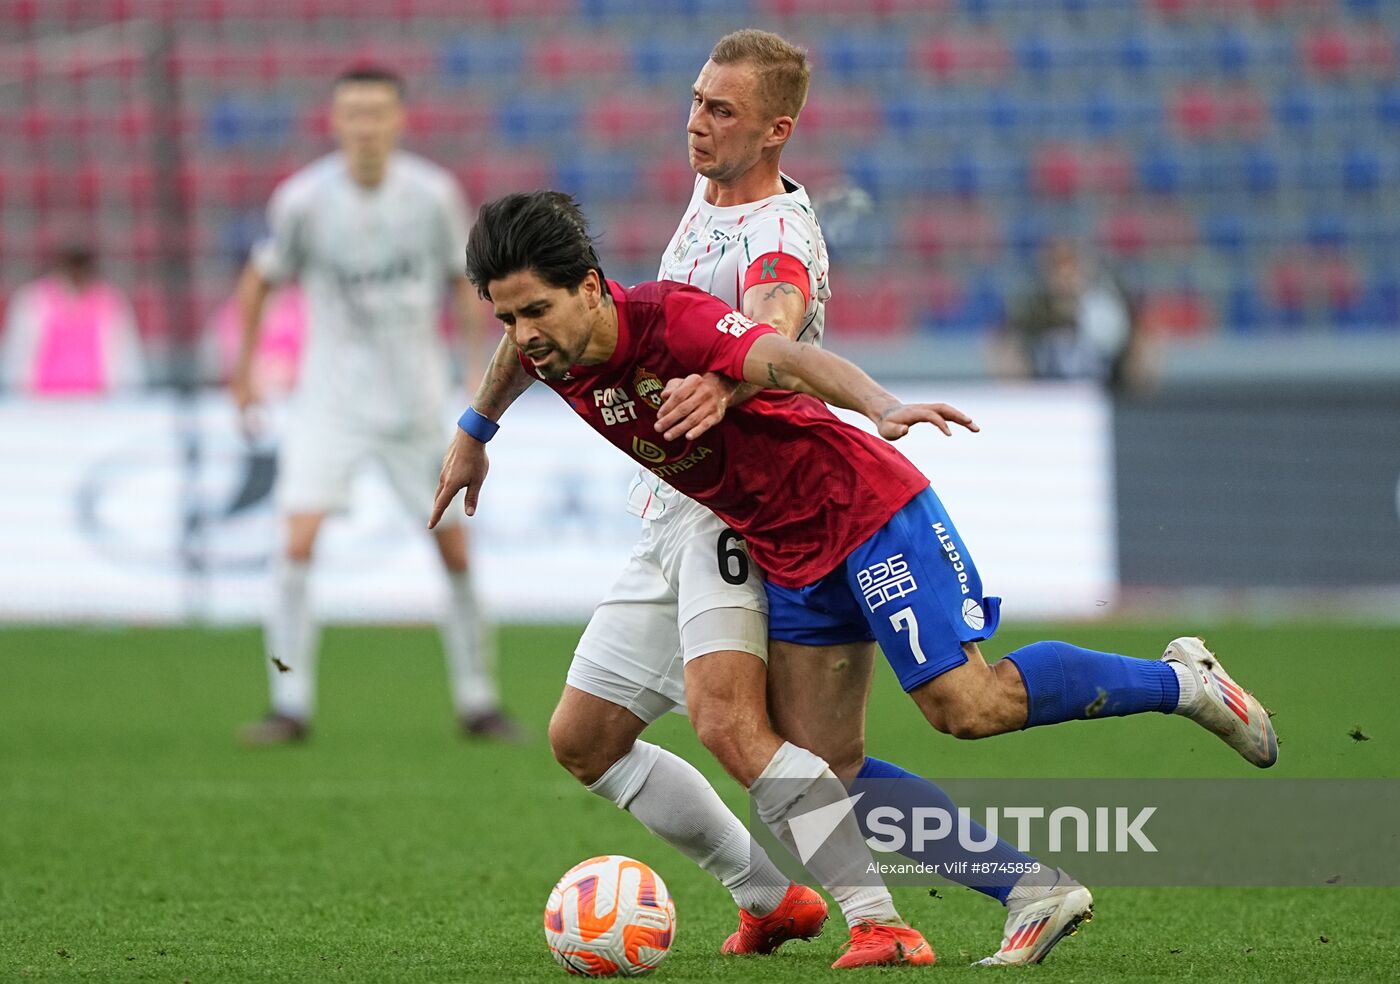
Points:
x=139 y=842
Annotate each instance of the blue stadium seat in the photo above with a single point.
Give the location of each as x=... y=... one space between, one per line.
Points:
x=1296 y=108
x=865 y=56
x=240 y=233
x=538 y=118
x=1232 y=51
x=1035 y=54
x=1388 y=105
x=1325 y=229
x=1361 y=170
x=1224 y=231
x=1261 y=171
x=1160 y=171
x=1026 y=232
x=1101 y=113
x=598 y=177
x=234 y=121
x=481 y=58
x=1135 y=52
x=665 y=58
x=1245 y=311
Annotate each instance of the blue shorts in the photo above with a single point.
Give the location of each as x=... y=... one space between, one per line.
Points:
x=912 y=587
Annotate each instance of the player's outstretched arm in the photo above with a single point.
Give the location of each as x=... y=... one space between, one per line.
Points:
x=780 y=363
x=465 y=464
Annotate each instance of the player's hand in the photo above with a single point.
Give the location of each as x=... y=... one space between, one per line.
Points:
x=691 y=406
x=252 y=420
x=895 y=422
x=463 y=467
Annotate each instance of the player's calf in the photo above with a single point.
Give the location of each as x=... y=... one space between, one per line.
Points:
x=974 y=700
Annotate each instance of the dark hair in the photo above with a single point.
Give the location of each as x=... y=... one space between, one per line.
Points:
x=372 y=73
x=543 y=231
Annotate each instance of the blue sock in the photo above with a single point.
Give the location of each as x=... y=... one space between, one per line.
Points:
x=1066 y=683
x=954 y=861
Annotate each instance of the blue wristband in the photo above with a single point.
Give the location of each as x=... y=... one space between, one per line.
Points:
x=479 y=427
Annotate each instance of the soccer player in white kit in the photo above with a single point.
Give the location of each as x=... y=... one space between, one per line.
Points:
x=685 y=623
x=375 y=236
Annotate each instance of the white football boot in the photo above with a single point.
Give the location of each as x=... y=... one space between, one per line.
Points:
x=1038 y=917
x=1221 y=705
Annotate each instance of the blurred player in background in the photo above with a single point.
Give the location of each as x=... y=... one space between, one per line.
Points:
x=375 y=236
x=70 y=333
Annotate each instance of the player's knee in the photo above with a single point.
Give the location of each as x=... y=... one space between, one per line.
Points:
x=577 y=751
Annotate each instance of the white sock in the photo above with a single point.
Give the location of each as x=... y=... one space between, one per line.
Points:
x=795 y=776
x=464 y=641
x=1188 y=683
x=672 y=799
x=290 y=637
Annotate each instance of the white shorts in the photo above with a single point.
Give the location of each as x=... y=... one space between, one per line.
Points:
x=317 y=462
x=671 y=604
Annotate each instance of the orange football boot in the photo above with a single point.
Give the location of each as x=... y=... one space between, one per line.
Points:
x=798 y=917
x=876 y=945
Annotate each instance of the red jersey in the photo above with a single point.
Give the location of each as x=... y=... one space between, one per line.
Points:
x=804 y=488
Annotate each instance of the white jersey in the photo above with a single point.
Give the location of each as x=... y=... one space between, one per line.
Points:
x=713 y=249
x=374 y=265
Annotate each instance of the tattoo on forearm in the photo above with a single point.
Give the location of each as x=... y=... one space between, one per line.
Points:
x=780 y=288
x=773 y=375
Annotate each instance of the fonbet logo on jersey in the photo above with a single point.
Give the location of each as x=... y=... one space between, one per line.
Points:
x=734 y=324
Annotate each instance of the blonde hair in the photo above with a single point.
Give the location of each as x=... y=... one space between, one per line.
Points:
x=783 y=71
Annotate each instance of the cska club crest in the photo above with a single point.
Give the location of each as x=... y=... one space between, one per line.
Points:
x=648 y=386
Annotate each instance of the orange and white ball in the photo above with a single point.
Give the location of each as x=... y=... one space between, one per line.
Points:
x=610 y=916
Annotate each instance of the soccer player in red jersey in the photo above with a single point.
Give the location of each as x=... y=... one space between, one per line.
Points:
x=852 y=538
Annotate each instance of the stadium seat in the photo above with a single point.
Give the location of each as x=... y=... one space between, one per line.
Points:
x=865 y=306
x=669 y=59
x=1160 y=171
x=864 y=56
x=537 y=118
x=597 y=177
x=478 y=59
x=1225 y=232
x=645 y=118
x=565 y=61
x=1361 y=170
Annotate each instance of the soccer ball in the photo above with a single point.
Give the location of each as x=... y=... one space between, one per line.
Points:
x=610 y=916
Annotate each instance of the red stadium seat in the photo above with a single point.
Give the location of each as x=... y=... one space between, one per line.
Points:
x=631 y=117
x=1203 y=111
x=492 y=174
x=1335 y=53
x=1178 y=313
x=561 y=59
x=850 y=117
x=1061 y=170
x=980 y=56
x=933 y=229
x=864 y=305
x=1131 y=231
x=669 y=179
